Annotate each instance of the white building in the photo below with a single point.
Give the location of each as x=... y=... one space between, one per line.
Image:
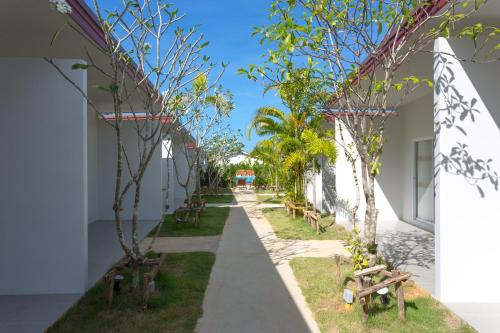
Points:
x=437 y=192
x=57 y=233
x=244 y=157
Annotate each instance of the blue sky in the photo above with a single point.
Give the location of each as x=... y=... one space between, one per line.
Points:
x=227 y=25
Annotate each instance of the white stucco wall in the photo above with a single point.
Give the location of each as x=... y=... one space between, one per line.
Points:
x=93 y=166
x=319 y=186
x=43 y=197
x=182 y=167
x=345 y=193
x=167 y=175
x=413 y=123
x=467 y=222
x=151 y=192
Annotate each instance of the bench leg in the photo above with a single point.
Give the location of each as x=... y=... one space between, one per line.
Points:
x=400 y=297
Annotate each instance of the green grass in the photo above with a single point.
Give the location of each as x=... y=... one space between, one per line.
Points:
x=324 y=295
x=262 y=191
x=286 y=227
x=211 y=224
x=174 y=307
x=224 y=198
x=269 y=199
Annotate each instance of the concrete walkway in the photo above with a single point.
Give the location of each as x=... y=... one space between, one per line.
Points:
x=252 y=288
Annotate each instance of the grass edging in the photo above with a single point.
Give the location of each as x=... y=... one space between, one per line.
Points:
x=212 y=223
x=175 y=306
x=324 y=296
x=285 y=227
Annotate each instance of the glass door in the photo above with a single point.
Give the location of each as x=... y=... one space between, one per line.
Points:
x=424 y=185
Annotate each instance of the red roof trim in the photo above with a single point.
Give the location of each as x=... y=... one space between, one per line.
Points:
x=130 y=117
x=87 y=20
x=420 y=16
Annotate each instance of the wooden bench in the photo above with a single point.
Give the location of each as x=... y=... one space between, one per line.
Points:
x=182 y=214
x=148 y=281
x=294 y=209
x=313 y=218
x=365 y=288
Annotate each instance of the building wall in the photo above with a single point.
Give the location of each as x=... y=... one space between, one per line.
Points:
x=93 y=166
x=43 y=197
x=182 y=168
x=319 y=186
x=151 y=192
x=413 y=123
x=345 y=194
x=467 y=218
x=167 y=175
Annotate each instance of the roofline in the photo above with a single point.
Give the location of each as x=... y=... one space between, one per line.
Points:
x=87 y=20
x=396 y=37
x=136 y=117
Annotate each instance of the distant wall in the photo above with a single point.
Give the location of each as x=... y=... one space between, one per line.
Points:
x=93 y=166
x=151 y=192
x=167 y=175
x=345 y=193
x=182 y=168
x=43 y=196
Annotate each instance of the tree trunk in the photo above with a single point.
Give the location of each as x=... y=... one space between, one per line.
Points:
x=135 y=276
x=135 y=220
x=355 y=208
x=371 y=213
x=276 y=183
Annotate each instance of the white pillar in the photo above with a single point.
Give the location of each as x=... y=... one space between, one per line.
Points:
x=467 y=134
x=43 y=178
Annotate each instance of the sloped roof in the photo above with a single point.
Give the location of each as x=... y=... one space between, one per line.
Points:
x=245 y=173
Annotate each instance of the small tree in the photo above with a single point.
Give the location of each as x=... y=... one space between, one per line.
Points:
x=299 y=93
x=208 y=114
x=149 y=61
x=340 y=42
x=266 y=153
x=219 y=150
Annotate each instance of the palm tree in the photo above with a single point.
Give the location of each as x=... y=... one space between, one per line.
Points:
x=300 y=95
x=265 y=151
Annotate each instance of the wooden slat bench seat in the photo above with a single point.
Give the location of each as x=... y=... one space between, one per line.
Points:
x=365 y=288
x=292 y=208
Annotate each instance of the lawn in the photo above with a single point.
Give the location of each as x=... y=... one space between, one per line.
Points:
x=286 y=227
x=224 y=198
x=262 y=191
x=174 y=307
x=211 y=224
x=324 y=295
x=266 y=198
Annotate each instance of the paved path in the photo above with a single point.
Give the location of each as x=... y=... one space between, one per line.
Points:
x=252 y=287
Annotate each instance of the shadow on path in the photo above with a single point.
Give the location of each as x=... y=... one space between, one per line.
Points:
x=246 y=292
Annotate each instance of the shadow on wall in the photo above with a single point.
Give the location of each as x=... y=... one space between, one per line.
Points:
x=403 y=248
x=454 y=111
x=331 y=201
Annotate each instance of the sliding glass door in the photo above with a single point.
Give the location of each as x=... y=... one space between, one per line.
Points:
x=424 y=185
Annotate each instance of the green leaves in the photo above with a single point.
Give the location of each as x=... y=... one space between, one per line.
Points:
x=357 y=248
x=79 y=66
x=200 y=84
